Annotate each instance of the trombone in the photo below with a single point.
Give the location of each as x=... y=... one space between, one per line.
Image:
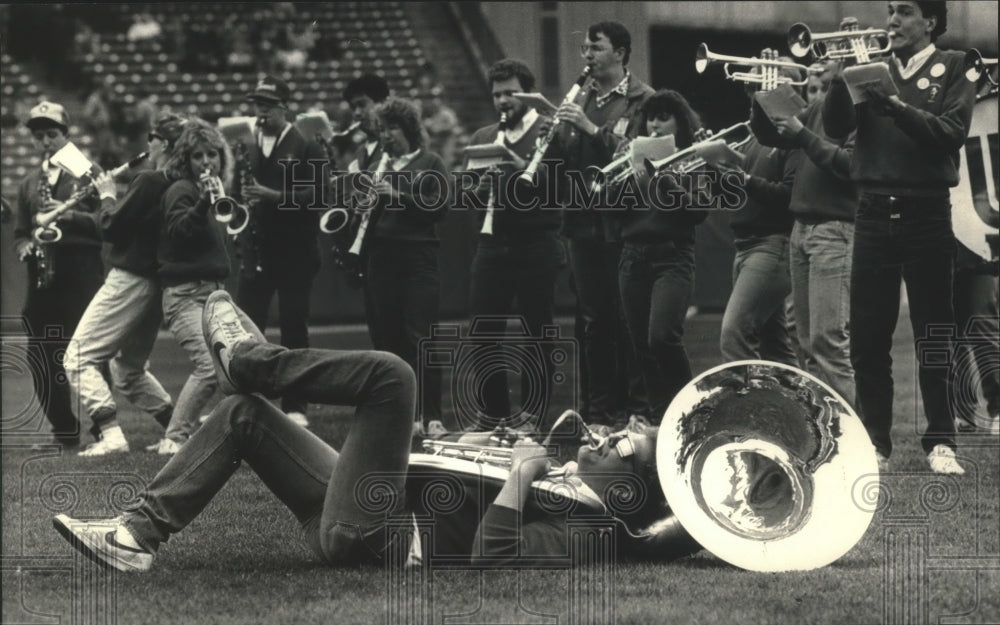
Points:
x=687 y=160
x=976 y=66
x=862 y=44
x=768 y=77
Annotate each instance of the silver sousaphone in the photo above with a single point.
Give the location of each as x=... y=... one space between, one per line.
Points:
x=761 y=463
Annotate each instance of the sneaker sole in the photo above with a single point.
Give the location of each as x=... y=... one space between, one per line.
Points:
x=90 y=551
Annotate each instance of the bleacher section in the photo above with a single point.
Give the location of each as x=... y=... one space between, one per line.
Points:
x=373 y=37
x=15 y=140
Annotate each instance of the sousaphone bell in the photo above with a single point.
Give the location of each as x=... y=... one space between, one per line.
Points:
x=763 y=464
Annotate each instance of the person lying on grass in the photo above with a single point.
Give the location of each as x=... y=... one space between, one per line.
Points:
x=348 y=502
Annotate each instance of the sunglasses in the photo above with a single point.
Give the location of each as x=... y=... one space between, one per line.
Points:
x=153 y=135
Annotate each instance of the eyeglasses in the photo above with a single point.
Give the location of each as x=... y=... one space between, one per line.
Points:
x=153 y=135
x=622 y=443
x=593 y=48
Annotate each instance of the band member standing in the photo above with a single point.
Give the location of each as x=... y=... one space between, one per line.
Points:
x=656 y=270
x=589 y=135
x=755 y=324
x=62 y=276
x=279 y=248
x=193 y=262
x=403 y=285
x=363 y=94
x=120 y=324
x=905 y=159
x=823 y=202
x=519 y=258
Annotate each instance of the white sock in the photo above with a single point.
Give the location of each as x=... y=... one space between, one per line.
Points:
x=124 y=537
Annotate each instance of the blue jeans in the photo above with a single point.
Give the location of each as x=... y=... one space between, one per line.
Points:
x=821 y=283
x=754 y=325
x=182 y=308
x=656 y=283
x=908 y=239
x=402 y=292
x=611 y=385
x=523 y=271
x=343 y=524
x=119 y=326
x=293 y=284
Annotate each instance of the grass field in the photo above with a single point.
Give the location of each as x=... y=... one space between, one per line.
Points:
x=932 y=554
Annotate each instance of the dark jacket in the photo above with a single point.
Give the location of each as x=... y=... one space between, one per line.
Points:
x=413 y=215
x=131 y=225
x=915 y=152
x=282 y=235
x=770 y=173
x=823 y=190
x=619 y=119
x=513 y=220
x=191 y=244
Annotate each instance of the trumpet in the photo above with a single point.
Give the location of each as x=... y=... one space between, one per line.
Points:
x=47 y=230
x=687 y=160
x=768 y=78
x=862 y=44
x=488 y=219
x=227 y=209
x=976 y=66
x=500 y=452
x=542 y=146
x=615 y=172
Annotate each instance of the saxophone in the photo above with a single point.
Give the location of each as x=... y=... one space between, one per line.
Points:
x=45 y=270
x=242 y=159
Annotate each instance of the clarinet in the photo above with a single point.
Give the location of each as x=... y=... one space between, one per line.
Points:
x=488 y=219
x=543 y=143
x=350 y=261
x=45 y=270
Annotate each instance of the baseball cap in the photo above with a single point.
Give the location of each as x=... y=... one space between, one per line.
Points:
x=46 y=114
x=270 y=89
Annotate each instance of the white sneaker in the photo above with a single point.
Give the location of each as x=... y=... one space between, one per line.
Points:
x=97 y=541
x=112 y=442
x=436 y=429
x=225 y=326
x=942 y=460
x=298 y=419
x=168 y=447
x=883 y=463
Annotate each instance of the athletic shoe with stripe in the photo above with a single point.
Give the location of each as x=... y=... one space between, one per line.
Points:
x=96 y=540
x=225 y=326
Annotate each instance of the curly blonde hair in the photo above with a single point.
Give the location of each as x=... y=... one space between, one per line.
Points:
x=198 y=132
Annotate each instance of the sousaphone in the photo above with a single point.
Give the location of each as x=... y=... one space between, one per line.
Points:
x=761 y=461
